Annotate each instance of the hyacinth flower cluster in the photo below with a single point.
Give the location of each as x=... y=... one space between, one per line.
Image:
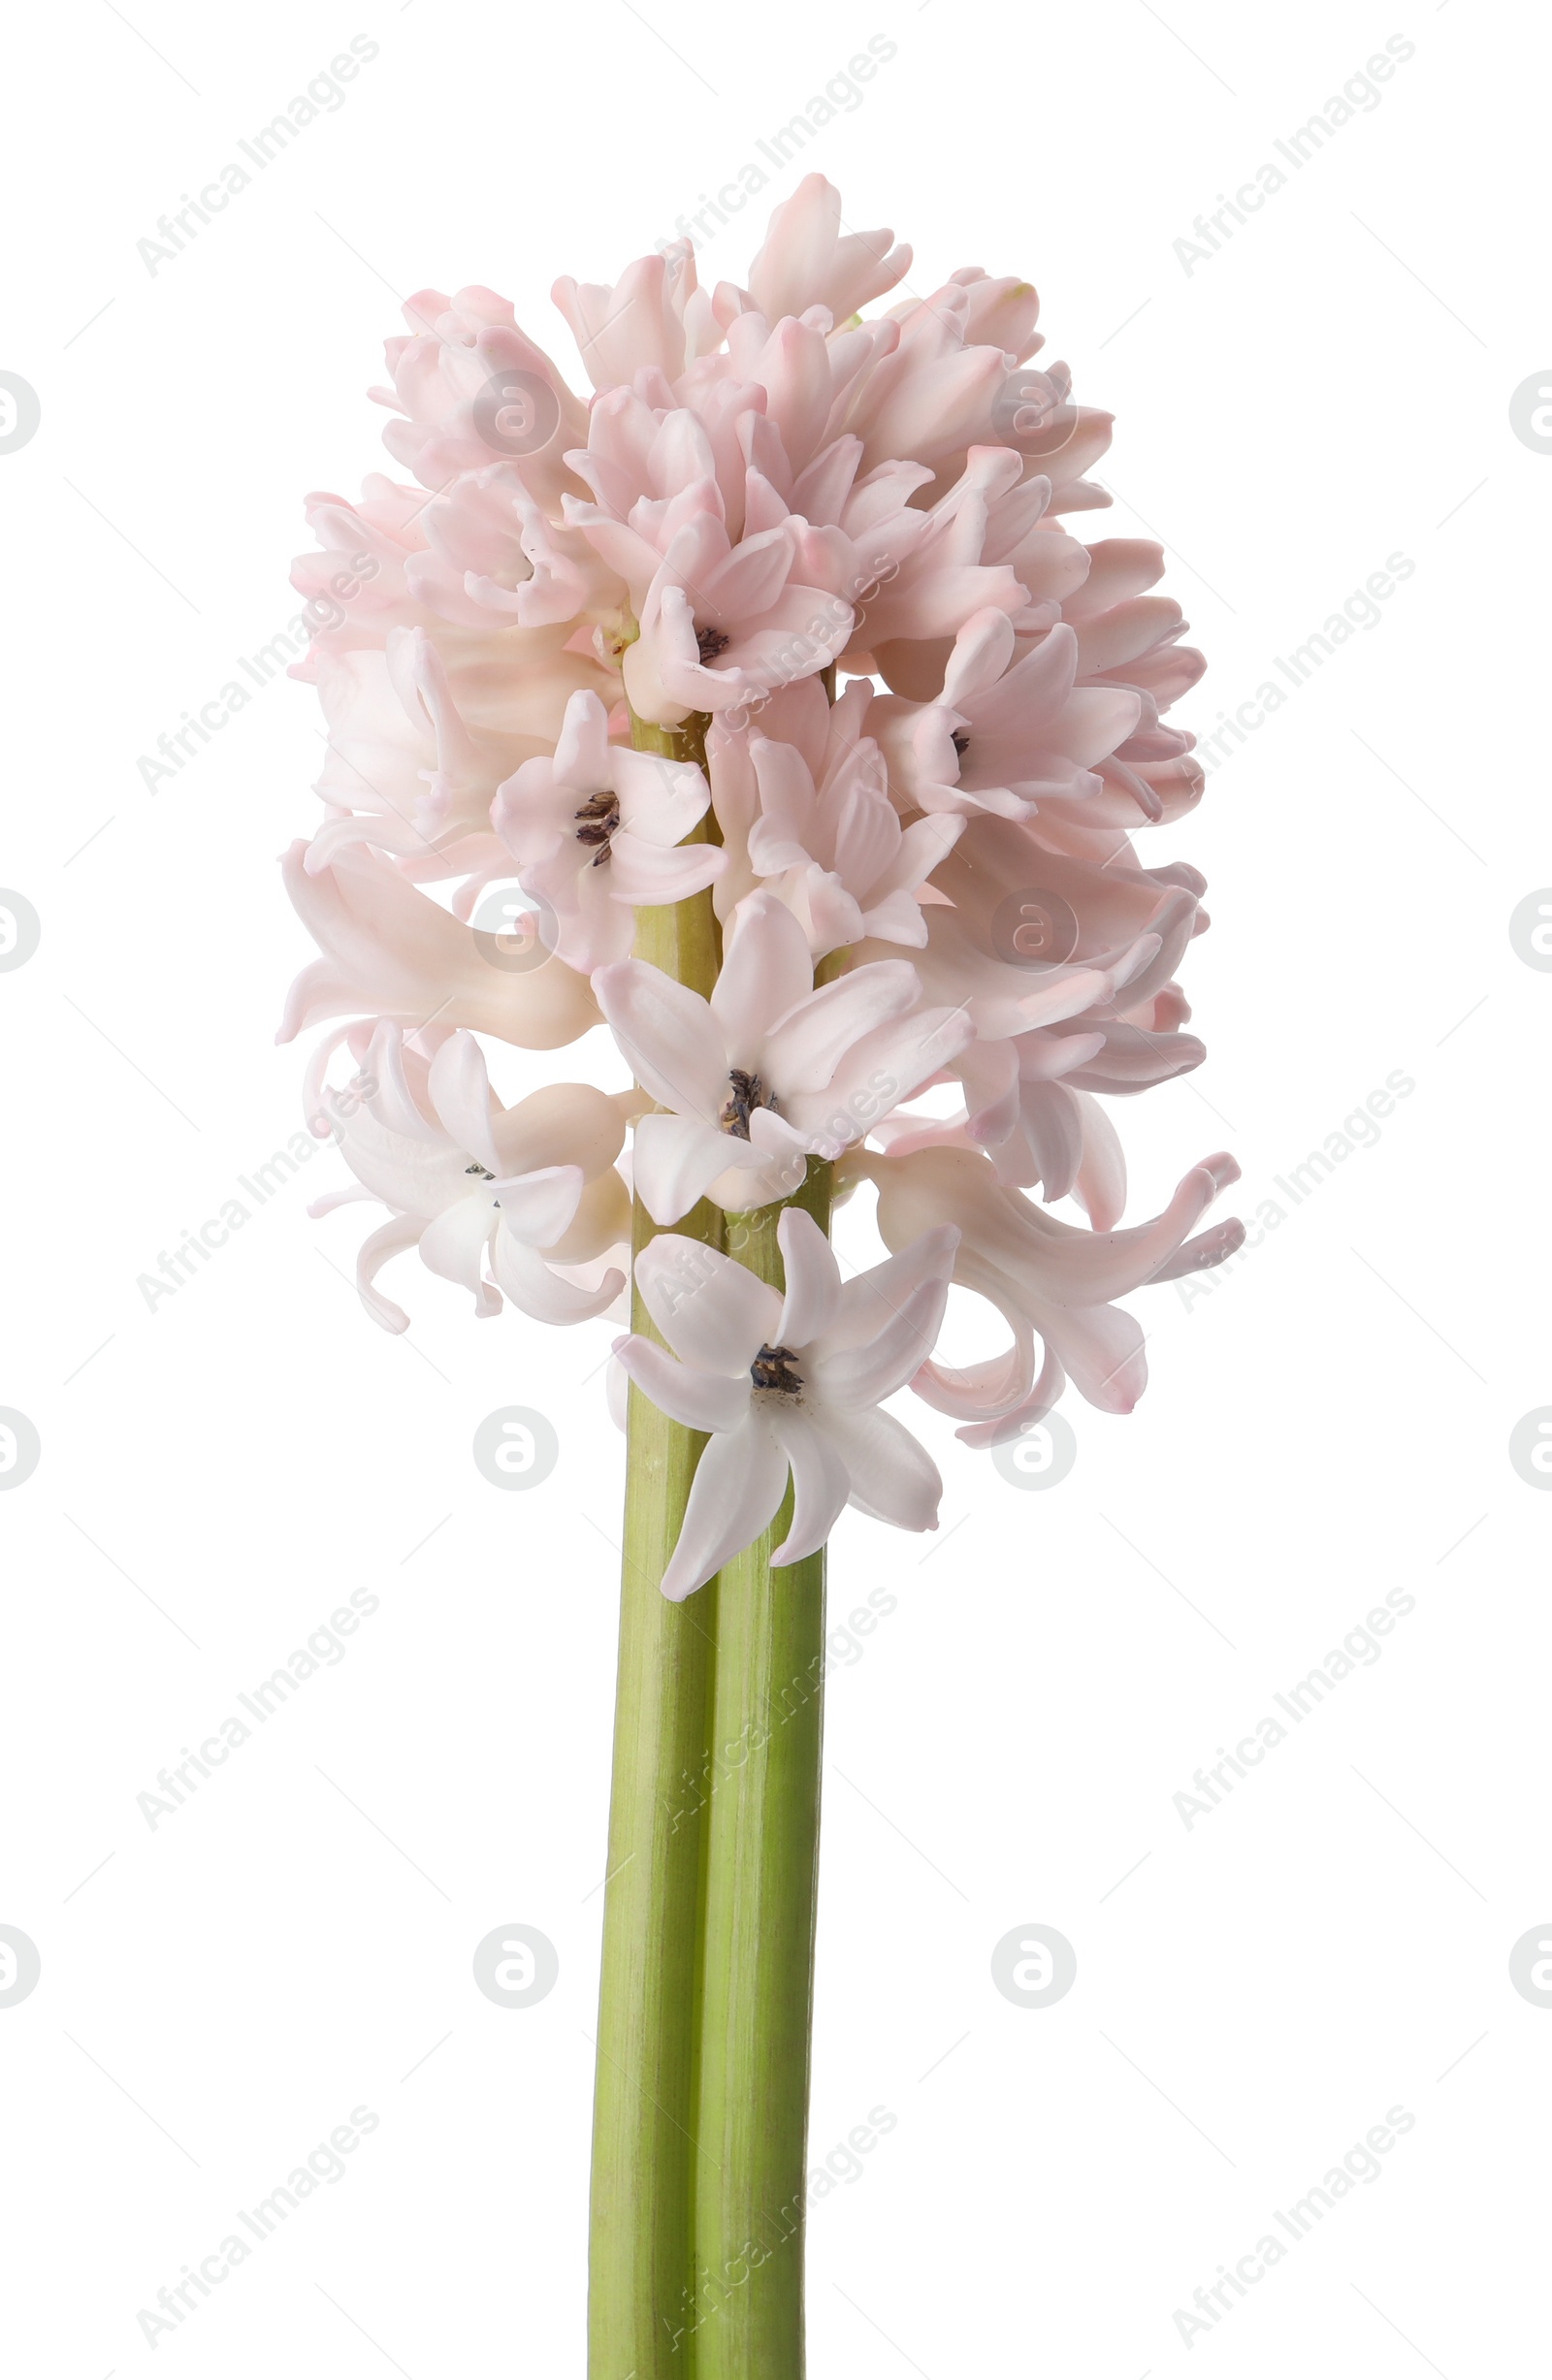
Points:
x=763 y=717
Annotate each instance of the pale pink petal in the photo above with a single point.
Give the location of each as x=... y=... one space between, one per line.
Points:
x=821 y=1481
x=699 y=1399
x=893 y=1478
x=987 y=1390
x=667 y=1036
x=1022 y=1415
x=537 y=1290
x=813 y=1279
x=392 y=1103
x=1102 y=1348
x=582 y=756
x=714 y=1312
x=766 y=971
x=804 y=1051
x=679 y=1159
x=461 y=1093
x=390 y=1239
x=869 y=1299
x=648 y=875
x=865 y=1375
x=879 y=1071
x=738 y=1484
x=454 y=1244
x=538 y=1207
x=332 y=1200
x=1101 y=1184
x=660 y=799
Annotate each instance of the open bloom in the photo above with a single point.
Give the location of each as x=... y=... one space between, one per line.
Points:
x=721 y=617
x=769 y=1070
x=804 y=807
x=598 y=831
x=467 y=1179
x=789 y=1382
x=1006 y=736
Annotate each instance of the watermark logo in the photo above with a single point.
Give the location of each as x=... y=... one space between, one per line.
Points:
x=1034 y=1966
x=1032 y=413
x=1531 y=1966
x=514 y=931
x=516 y=412
x=19 y=1965
x=19 y=1447
x=515 y=1447
x=516 y=1966
x=1529 y=412
x=1530 y=929
x=1531 y=1447
x=1042 y=1457
x=20 y=931
x=19 y=412
x=1034 y=928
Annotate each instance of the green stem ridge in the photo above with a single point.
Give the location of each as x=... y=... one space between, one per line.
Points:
x=641 y=2261
x=762 y=1870
x=701 y=2103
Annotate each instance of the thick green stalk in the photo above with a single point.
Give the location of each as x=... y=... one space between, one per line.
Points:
x=761 y=1867
x=641 y=2261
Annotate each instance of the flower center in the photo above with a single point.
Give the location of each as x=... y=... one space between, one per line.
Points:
x=597 y=819
x=772 y=1368
x=709 y=642
x=748 y=1093
x=960 y=742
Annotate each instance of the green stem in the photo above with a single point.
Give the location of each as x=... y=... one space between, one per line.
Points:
x=641 y=2260
x=762 y=1866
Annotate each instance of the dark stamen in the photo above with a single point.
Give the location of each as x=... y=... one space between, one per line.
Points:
x=748 y=1094
x=961 y=743
x=709 y=642
x=772 y=1368
x=483 y=1171
x=599 y=815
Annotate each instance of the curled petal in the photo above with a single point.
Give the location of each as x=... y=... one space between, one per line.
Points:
x=390 y=1239
x=536 y=1289
x=982 y=1392
x=1023 y=1416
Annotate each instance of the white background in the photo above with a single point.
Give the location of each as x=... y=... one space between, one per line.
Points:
x=1329 y=1424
